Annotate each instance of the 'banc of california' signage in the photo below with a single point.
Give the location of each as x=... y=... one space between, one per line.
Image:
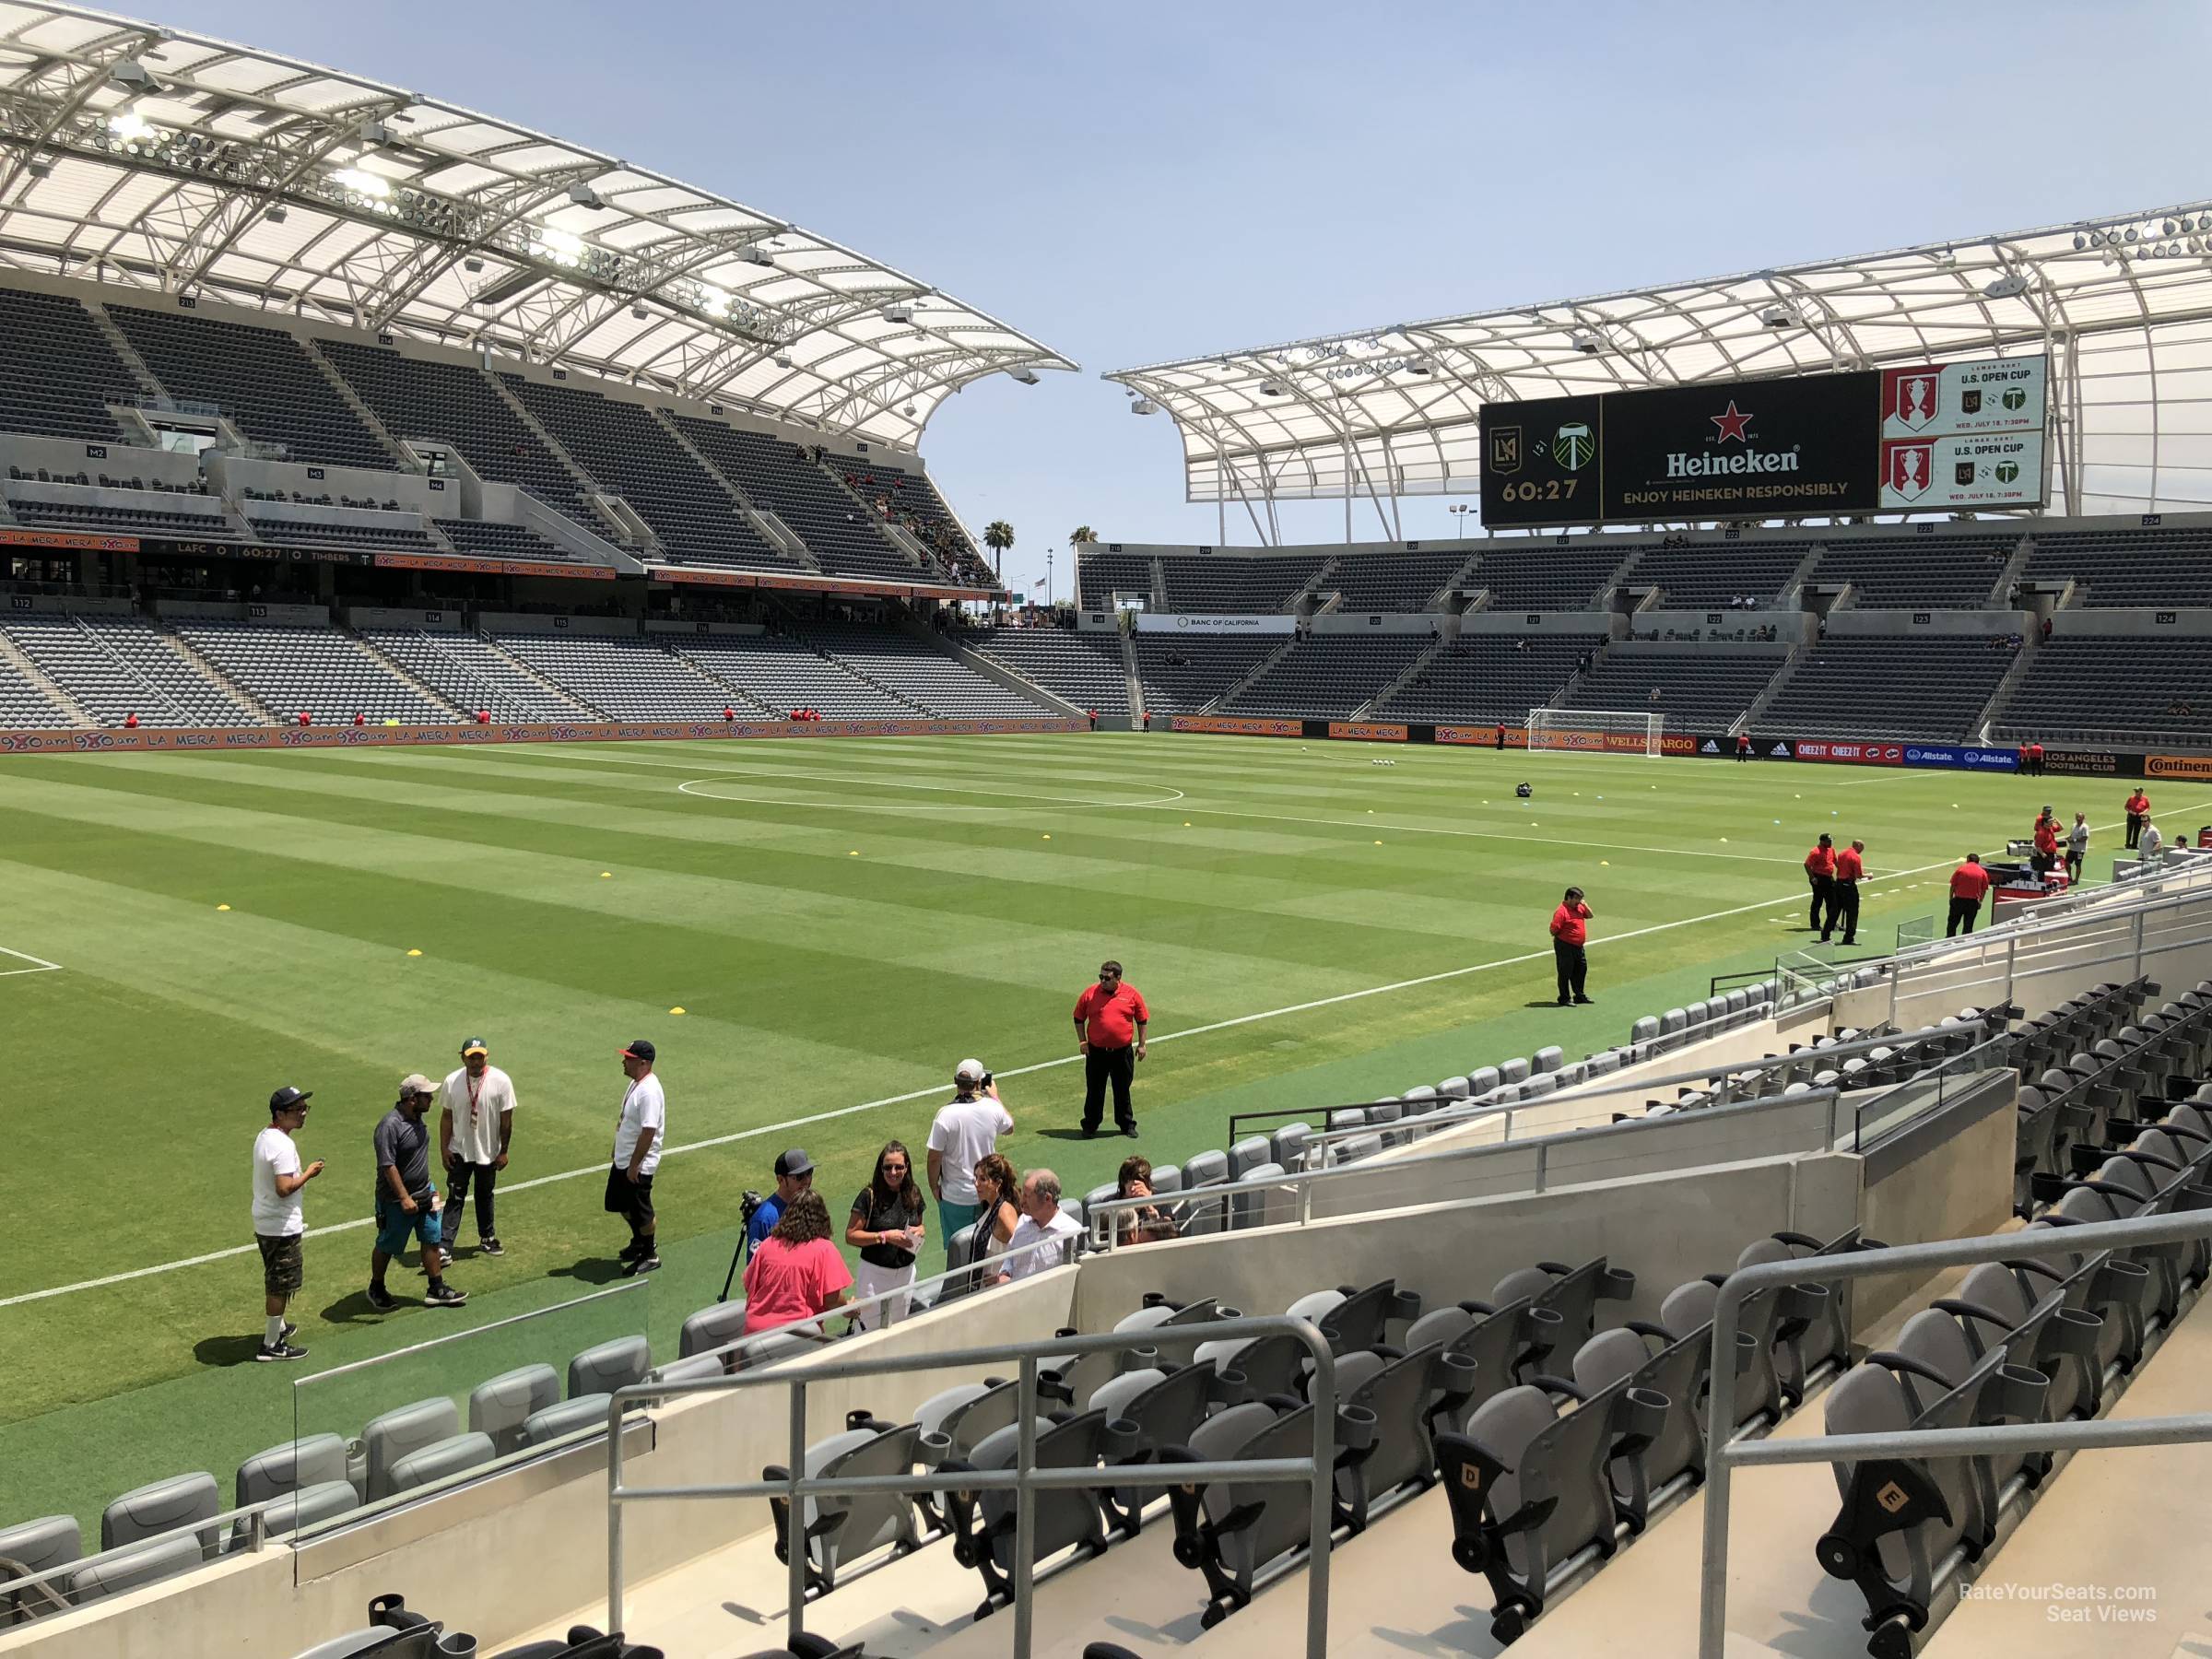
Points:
x=1177 y=622
x=146 y=740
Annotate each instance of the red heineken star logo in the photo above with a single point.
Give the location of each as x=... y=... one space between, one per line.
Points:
x=1732 y=425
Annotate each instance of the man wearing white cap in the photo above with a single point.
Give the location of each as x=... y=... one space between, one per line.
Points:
x=475 y=1122
x=966 y=1130
x=406 y=1198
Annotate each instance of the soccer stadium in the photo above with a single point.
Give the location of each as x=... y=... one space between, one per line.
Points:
x=1659 y=1044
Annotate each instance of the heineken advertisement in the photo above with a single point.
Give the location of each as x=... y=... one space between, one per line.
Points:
x=1935 y=436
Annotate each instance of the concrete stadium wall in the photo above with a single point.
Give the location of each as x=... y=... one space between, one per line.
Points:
x=500 y=1557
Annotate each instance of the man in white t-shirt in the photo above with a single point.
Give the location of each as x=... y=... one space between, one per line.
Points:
x=280 y=1218
x=637 y=1155
x=476 y=1121
x=966 y=1129
x=1040 y=1237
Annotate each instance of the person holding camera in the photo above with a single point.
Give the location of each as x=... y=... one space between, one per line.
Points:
x=886 y=1227
x=1147 y=1225
x=965 y=1131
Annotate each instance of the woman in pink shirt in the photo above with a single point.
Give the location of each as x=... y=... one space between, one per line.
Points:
x=796 y=1272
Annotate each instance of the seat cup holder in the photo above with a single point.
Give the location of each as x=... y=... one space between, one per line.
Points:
x=1355 y=1429
x=1616 y=1284
x=2016 y=1391
x=1642 y=1413
x=933 y=1450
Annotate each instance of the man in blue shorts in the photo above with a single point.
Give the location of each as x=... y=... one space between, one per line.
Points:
x=406 y=1200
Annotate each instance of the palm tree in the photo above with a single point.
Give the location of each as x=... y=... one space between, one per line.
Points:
x=1082 y=532
x=998 y=536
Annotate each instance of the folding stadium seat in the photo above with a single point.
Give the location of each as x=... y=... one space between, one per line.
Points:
x=1249 y=1153
x=295 y=1511
x=132 y=1568
x=1234 y=1533
x=1758 y=1392
x=1500 y=1342
x=953 y=1423
x=1572 y=1293
x=570 y=1416
x=609 y=1366
x=1530 y=1494
x=1812 y=1332
x=310 y=1460
x=1396 y=1388
x=164 y=1505
x=442 y=1461
x=695 y=1367
x=1165 y=1408
x=1255 y=1209
x=1062 y=1518
x=842 y=1529
x=395 y=1434
x=499 y=1408
x=1648 y=1356
x=33 y=1546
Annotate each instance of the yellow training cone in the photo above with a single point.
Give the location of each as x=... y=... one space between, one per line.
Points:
x=675 y=1011
x=1378 y=844
x=413 y=953
x=1048 y=838
x=222 y=907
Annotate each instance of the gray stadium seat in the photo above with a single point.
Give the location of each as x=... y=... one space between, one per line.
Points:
x=1289 y=1143
x=296 y=1465
x=1673 y=1020
x=1166 y=1178
x=1098 y=1194
x=1543 y=1083
x=1352 y=1149
x=1387 y=1113
x=1062 y=1518
x=1548 y=1059
x=608 y=1366
x=129 y=1569
x=146 y=1511
x=395 y=1434
x=1455 y=1088
x=577 y=1412
x=1513 y=1071
x=1206 y=1169
x=1255 y=1209
x=694 y=1368
x=1482 y=1079
x=1421 y=1098
x=309 y=1506
x=36 y=1546
x=1699 y=1013
x=1645 y=1029
x=498 y=1407
x=443 y=1460
x=710 y=1328
x=1251 y=1150
x=843 y=1529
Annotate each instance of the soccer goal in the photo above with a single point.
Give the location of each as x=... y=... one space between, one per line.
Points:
x=1595 y=731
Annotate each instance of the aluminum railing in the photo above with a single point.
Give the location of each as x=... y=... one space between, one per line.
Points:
x=1024 y=1479
x=1723 y=1455
x=49 y=1584
x=1300 y=1187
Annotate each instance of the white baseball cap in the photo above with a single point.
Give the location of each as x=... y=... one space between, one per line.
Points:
x=974 y=1070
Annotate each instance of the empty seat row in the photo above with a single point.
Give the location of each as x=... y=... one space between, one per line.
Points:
x=1084 y=669
x=1907 y=688
x=1329 y=676
x=321 y=672
x=119 y=667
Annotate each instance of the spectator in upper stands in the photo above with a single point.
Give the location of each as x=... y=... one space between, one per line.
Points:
x=1040 y=1241
x=997 y=1191
x=886 y=1227
x=965 y=1131
x=2078 y=846
x=1146 y=1226
x=1970 y=884
x=2138 y=812
x=360 y=718
x=798 y=1272
x=130 y=723
x=305 y=719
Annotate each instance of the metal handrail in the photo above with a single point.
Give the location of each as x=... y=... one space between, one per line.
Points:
x=1304 y=1182
x=1722 y=1455
x=255 y=1516
x=1319 y=1469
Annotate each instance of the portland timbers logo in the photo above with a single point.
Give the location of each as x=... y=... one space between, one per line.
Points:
x=2014 y=398
x=1573 y=444
x=2008 y=472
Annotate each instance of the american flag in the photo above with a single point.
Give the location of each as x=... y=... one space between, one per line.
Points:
x=1039 y=582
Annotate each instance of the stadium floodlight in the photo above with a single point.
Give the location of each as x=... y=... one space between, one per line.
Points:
x=1589 y=344
x=783 y=360
x=559 y=247
x=1144 y=405
x=130 y=127
x=583 y=195
x=2128 y=235
x=2168 y=227
x=638 y=312
x=277 y=214
x=1025 y=374
x=38 y=167
x=471 y=264
x=907 y=410
x=758 y=253
x=898 y=311
x=2007 y=287
x=362 y=183
x=131 y=75
x=714 y=301
x=1778 y=316
x=2080 y=241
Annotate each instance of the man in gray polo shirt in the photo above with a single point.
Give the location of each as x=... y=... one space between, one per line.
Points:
x=407 y=1200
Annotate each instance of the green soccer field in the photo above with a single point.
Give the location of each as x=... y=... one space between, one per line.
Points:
x=813 y=933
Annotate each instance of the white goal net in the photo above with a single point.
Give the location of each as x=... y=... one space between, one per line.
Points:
x=1596 y=732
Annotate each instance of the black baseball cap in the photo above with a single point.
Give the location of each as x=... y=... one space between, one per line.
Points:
x=794 y=1163
x=640 y=1050
x=285 y=1098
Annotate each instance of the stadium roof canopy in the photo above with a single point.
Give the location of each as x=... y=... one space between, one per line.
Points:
x=138 y=154
x=2122 y=304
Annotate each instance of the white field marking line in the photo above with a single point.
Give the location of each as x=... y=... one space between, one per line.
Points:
x=753 y=800
x=37 y=964
x=934 y=1091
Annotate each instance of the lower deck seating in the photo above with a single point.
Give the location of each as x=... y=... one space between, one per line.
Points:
x=622 y=676
x=1858 y=688
x=118 y=667
x=321 y=672
x=1085 y=669
x=2078 y=688
x=472 y=673
x=1485 y=678
x=1700 y=691
x=779 y=675
x=917 y=672
x=1181 y=673
x=1329 y=675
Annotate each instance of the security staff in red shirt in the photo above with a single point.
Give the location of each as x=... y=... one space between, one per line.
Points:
x=1110 y=1034
x=1820 y=872
x=1969 y=883
x=2138 y=814
x=1843 y=897
x=1743 y=745
x=2046 y=843
x=1570 y=934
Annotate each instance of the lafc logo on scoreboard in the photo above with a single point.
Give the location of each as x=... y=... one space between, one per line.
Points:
x=1505 y=450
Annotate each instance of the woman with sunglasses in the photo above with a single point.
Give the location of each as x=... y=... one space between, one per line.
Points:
x=886 y=1227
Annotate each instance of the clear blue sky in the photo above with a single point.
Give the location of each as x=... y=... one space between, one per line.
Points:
x=1143 y=181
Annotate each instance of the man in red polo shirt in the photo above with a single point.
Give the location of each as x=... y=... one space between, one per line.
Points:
x=2139 y=813
x=1843 y=897
x=1570 y=933
x=1743 y=745
x=1970 y=882
x=1820 y=872
x=1110 y=1034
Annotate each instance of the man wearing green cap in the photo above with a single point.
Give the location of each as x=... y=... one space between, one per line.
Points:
x=475 y=1122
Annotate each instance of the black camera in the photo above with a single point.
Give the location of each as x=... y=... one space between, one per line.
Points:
x=748 y=1207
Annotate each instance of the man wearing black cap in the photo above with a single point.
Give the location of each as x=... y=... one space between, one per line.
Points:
x=637 y=1155
x=279 y=1222
x=475 y=1122
x=406 y=1198
x=795 y=1174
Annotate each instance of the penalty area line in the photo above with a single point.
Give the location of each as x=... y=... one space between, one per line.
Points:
x=37 y=964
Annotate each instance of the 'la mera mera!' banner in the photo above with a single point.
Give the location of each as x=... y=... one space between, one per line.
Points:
x=1929 y=435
